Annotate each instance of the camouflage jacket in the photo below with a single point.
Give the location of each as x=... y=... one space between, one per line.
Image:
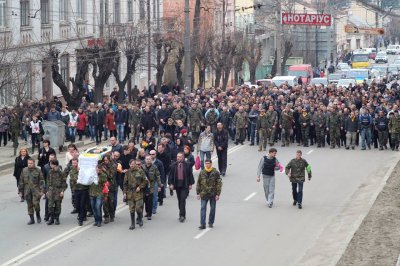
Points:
x=111 y=172
x=153 y=175
x=195 y=118
x=272 y=118
x=297 y=169
x=97 y=190
x=134 y=117
x=209 y=184
x=212 y=117
x=305 y=119
x=286 y=119
x=73 y=180
x=319 y=121
x=263 y=123
x=31 y=182
x=135 y=178
x=240 y=120
x=178 y=114
x=394 y=124
x=334 y=120
x=57 y=182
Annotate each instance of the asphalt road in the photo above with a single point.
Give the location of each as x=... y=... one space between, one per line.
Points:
x=246 y=231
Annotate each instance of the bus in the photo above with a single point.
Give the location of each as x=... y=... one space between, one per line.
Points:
x=360 y=60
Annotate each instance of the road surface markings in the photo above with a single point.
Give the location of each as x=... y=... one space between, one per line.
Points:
x=33 y=252
x=24 y=257
x=309 y=152
x=199 y=235
x=250 y=196
x=398 y=261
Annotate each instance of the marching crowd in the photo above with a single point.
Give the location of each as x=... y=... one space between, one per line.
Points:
x=154 y=136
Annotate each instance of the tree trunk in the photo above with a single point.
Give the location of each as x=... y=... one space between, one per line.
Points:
x=253 y=74
x=178 y=66
x=273 y=69
x=218 y=75
x=225 y=80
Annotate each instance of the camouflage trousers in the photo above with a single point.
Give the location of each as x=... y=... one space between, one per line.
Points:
x=135 y=205
x=271 y=136
x=395 y=137
x=305 y=133
x=320 y=137
x=108 y=205
x=33 y=202
x=240 y=134
x=54 y=203
x=286 y=133
x=334 y=136
x=383 y=138
x=263 y=138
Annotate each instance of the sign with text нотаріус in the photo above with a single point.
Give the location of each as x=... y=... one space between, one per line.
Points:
x=306 y=19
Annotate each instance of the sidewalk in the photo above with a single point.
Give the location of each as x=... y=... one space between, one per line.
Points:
x=7 y=157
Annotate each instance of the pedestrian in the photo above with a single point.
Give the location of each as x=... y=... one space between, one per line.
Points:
x=72 y=124
x=221 y=139
x=181 y=180
x=394 y=129
x=241 y=121
x=20 y=163
x=44 y=153
x=365 y=123
x=57 y=184
x=4 y=124
x=110 y=125
x=208 y=189
x=135 y=183
x=31 y=188
x=267 y=166
x=98 y=193
x=37 y=131
x=351 y=129
x=205 y=145
x=81 y=192
x=110 y=169
x=295 y=170
x=381 y=125
x=82 y=123
x=158 y=186
x=154 y=184
x=120 y=120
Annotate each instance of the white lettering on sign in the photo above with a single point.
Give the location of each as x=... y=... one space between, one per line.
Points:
x=306 y=19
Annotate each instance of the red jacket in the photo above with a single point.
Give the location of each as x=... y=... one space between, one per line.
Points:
x=82 y=121
x=110 y=122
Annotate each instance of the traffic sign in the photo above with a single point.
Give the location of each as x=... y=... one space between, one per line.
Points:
x=371 y=31
x=306 y=19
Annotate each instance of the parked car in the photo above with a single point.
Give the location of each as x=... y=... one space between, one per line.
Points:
x=394 y=72
x=318 y=81
x=334 y=78
x=393 y=49
x=381 y=57
x=345 y=83
x=342 y=66
x=279 y=80
x=265 y=82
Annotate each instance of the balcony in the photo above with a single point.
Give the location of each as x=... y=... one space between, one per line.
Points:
x=46 y=33
x=65 y=30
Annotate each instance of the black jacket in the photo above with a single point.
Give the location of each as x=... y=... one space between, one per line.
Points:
x=188 y=178
x=221 y=139
x=19 y=165
x=166 y=161
x=44 y=159
x=148 y=120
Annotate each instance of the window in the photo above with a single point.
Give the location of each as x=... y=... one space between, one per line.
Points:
x=64 y=10
x=45 y=11
x=141 y=9
x=64 y=68
x=3 y=13
x=106 y=12
x=80 y=9
x=358 y=43
x=154 y=10
x=130 y=10
x=24 y=13
x=117 y=12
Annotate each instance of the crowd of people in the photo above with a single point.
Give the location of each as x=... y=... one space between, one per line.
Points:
x=156 y=134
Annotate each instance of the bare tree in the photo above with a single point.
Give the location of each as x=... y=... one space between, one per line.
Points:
x=253 y=55
x=163 y=49
x=178 y=65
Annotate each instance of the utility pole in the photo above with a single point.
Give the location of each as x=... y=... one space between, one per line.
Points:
x=186 y=39
x=148 y=45
x=278 y=41
x=101 y=24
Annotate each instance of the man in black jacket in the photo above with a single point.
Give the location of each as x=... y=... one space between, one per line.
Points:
x=221 y=143
x=181 y=179
x=101 y=117
x=165 y=158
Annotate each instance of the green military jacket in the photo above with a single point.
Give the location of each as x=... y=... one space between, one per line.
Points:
x=31 y=182
x=319 y=121
x=240 y=120
x=15 y=125
x=111 y=172
x=305 y=119
x=209 y=184
x=97 y=190
x=178 y=114
x=272 y=118
x=212 y=117
x=153 y=175
x=56 y=182
x=195 y=118
x=134 y=117
x=263 y=123
x=334 y=120
x=286 y=119
x=297 y=169
x=73 y=180
x=135 y=178
x=394 y=124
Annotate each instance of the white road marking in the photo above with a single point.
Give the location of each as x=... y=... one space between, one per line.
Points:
x=250 y=196
x=199 y=235
x=54 y=242
x=309 y=152
x=33 y=252
x=398 y=261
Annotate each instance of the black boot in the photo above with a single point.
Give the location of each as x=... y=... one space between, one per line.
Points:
x=132 y=221
x=74 y=211
x=31 y=221
x=51 y=220
x=140 y=219
x=38 y=218
x=57 y=219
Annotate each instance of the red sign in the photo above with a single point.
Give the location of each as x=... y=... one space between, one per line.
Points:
x=97 y=42
x=306 y=19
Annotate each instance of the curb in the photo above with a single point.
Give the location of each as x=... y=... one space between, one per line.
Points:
x=10 y=164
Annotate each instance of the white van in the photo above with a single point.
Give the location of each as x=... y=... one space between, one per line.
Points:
x=393 y=49
x=279 y=80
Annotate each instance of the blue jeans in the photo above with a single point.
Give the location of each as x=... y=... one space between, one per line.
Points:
x=72 y=133
x=365 y=137
x=253 y=132
x=203 y=211
x=155 y=197
x=297 y=192
x=208 y=156
x=106 y=133
x=92 y=130
x=120 y=132
x=97 y=203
